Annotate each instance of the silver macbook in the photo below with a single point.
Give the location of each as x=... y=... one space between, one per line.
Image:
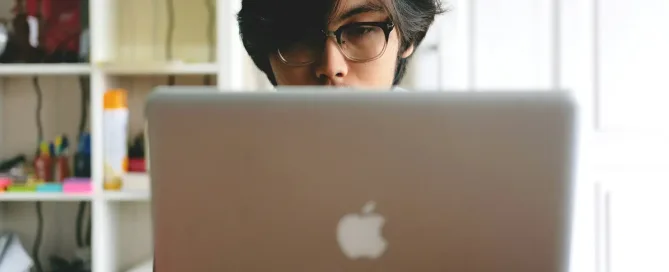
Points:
x=361 y=181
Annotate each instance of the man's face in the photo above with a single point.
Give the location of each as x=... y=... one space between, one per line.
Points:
x=353 y=55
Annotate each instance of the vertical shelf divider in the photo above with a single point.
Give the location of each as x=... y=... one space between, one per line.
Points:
x=103 y=23
x=229 y=47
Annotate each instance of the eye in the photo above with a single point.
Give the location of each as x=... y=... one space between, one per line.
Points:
x=361 y=34
x=359 y=31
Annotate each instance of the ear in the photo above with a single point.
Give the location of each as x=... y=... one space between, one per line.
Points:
x=407 y=53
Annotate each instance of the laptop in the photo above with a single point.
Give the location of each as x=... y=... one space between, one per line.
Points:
x=313 y=180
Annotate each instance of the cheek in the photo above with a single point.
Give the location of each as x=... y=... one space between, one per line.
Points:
x=393 y=47
x=381 y=72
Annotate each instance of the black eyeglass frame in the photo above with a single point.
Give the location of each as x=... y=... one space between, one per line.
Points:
x=387 y=28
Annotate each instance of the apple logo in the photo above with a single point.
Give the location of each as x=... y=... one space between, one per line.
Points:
x=359 y=235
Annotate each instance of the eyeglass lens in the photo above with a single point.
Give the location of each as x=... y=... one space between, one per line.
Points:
x=357 y=42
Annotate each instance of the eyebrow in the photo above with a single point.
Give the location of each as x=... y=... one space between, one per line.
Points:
x=364 y=8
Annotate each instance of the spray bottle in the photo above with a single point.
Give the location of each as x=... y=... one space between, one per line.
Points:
x=115 y=138
x=43 y=163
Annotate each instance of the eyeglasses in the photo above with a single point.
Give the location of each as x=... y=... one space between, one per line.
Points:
x=358 y=42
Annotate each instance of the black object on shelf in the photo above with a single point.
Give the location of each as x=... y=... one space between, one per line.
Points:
x=7 y=165
x=60 y=264
x=19 y=47
x=82 y=165
x=82 y=158
x=136 y=148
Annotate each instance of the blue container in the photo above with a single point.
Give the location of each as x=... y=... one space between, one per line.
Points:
x=50 y=188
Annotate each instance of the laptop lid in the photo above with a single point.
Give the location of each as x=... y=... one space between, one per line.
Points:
x=344 y=181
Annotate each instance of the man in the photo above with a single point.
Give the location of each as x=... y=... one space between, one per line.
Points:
x=356 y=43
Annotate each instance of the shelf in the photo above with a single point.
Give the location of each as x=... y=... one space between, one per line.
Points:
x=175 y=68
x=57 y=197
x=130 y=196
x=33 y=197
x=44 y=69
x=144 y=267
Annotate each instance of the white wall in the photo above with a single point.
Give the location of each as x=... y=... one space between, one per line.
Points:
x=633 y=115
x=634 y=61
x=613 y=57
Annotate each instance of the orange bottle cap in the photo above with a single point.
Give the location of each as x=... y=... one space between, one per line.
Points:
x=116 y=99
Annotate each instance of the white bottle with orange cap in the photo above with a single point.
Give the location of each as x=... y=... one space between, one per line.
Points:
x=115 y=138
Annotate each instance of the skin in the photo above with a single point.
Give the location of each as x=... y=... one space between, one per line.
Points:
x=334 y=69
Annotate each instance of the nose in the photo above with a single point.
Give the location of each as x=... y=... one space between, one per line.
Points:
x=333 y=66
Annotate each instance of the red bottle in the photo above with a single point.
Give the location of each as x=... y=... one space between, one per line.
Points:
x=61 y=169
x=43 y=168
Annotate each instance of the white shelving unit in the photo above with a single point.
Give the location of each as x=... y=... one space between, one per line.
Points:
x=113 y=66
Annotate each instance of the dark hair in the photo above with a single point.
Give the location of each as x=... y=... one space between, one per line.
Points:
x=265 y=25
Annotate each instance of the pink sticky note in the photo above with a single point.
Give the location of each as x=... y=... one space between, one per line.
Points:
x=77 y=187
x=4 y=182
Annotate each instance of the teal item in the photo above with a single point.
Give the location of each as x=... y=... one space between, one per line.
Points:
x=50 y=188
